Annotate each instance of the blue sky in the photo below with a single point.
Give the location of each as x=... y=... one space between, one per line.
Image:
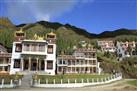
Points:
x=95 y=16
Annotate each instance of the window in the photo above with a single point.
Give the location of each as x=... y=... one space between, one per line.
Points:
x=120 y=55
x=34 y=47
x=49 y=64
x=94 y=62
x=50 y=36
x=94 y=55
x=18 y=48
x=50 y=49
x=59 y=69
x=134 y=53
x=64 y=62
x=77 y=61
x=69 y=62
x=0 y=68
x=94 y=69
x=41 y=47
x=60 y=61
x=90 y=62
x=19 y=34
x=17 y=63
x=85 y=61
x=26 y=47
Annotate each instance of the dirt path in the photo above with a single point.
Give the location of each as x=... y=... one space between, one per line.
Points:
x=115 y=86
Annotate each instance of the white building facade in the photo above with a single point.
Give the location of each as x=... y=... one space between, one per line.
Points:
x=83 y=61
x=123 y=51
x=106 y=45
x=36 y=54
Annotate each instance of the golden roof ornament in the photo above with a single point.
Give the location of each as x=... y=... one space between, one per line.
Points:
x=20 y=31
x=51 y=35
x=35 y=36
x=40 y=38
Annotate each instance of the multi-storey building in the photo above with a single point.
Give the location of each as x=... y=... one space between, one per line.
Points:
x=126 y=49
x=37 y=54
x=107 y=45
x=83 y=60
x=4 y=60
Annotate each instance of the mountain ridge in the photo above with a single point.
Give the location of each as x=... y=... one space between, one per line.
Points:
x=105 y=34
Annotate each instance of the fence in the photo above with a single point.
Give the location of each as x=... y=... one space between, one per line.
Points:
x=76 y=83
x=11 y=84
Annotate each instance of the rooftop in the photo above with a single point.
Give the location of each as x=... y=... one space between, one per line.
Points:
x=5 y=55
x=3 y=48
x=85 y=50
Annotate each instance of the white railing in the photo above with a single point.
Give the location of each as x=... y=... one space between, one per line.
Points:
x=11 y=84
x=76 y=83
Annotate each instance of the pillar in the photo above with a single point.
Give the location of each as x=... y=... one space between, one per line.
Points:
x=37 y=47
x=3 y=68
x=45 y=68
x=70 y=62
x=40 y=64
x=9 y=62
x=92 y=70
x=29 y=68
x=84 y=62
x=22 y=64
x=11 y=82
x=37 y=64
x=89 y=69
x=29 y=47
x=80 y=70
x=61 y=81
x=88 y=62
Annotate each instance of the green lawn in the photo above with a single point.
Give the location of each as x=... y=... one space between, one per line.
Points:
x=7 y=78
x=134 y=82
x=72 y=78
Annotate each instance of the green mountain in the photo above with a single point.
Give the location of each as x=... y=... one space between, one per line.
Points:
x=68 y=35
x=122 y=31
x=80 y=31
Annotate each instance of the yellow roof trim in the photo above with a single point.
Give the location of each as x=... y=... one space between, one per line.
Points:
x=20 y=31
x=51 y=33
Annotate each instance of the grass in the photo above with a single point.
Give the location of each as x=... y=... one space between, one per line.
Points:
x=71 y=78
x=7 y=78
x=133 y=82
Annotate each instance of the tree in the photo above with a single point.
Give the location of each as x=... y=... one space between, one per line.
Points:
x=129 y=50
x=107 y=54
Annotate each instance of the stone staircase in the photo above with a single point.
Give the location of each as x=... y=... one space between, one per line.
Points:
x=26 y=80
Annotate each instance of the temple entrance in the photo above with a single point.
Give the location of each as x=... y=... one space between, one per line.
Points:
x=26 y=64
x=42 y=65
x=34 y=65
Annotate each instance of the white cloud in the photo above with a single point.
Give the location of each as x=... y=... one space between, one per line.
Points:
x=42 y=17
x=30 y=10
